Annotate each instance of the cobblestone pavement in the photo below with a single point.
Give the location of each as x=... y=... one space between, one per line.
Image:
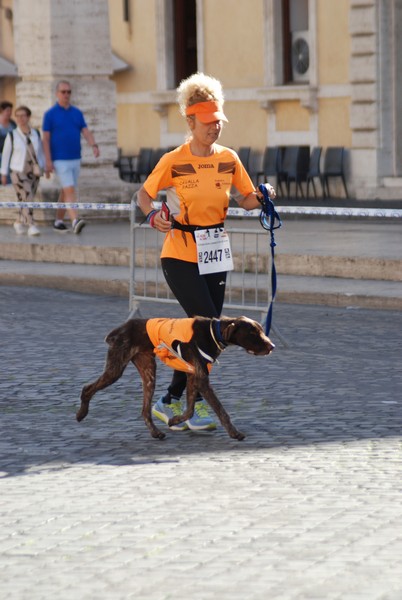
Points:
x=309 y=506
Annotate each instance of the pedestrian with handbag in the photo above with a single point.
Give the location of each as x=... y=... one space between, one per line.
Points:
x=23 y=157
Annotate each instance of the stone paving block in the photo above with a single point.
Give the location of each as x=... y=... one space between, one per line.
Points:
x=308 y=506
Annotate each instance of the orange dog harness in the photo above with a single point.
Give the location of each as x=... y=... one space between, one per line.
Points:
x=164 y=333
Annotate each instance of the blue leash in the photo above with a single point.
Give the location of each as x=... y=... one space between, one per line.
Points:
x=270 y=220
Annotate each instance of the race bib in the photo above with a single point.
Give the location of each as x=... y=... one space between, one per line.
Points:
x=213 y=250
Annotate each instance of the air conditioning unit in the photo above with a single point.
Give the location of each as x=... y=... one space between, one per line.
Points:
x=300 y=56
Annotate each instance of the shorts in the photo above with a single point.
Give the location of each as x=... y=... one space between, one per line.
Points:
x=67 y=171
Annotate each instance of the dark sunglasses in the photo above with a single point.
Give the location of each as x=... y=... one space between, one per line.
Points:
x=65 y=91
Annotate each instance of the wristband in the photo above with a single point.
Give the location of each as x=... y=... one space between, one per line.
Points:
x=151 y=217
x=94 y=145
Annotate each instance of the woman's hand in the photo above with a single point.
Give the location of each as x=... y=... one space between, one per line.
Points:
x=160 y=224
x=271 y=191
x=255 y=199
x=145 y=202
x=49 y=168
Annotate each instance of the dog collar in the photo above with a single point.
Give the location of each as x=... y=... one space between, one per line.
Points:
x=216 y=334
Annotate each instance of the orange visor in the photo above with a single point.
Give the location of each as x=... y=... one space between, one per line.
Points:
x=207 y=112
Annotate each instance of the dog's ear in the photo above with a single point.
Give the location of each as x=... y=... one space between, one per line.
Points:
x=228 y=326
x=242 y=326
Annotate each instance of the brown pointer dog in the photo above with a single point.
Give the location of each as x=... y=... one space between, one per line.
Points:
x=131 y=342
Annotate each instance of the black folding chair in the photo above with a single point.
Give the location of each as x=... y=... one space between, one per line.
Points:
x=314 y=171
x=142 y=165
x=244 y=155
x=295 y=167
x=254 y=165
x=334 y=167
x=157 y=154
x=124 y=164
x=271 y=166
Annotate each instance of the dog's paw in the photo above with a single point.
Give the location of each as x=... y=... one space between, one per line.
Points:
x=158 y=435
x=81 y=413
x=176 y=420
x=237 y=435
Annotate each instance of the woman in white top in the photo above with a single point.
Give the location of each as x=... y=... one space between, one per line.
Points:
x=23 y=156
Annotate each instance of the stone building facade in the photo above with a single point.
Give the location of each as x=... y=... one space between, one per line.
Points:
x=67 y=40
x=348 y=96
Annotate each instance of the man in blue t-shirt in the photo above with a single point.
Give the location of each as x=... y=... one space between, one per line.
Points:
x=6 y=125
x=62 y=127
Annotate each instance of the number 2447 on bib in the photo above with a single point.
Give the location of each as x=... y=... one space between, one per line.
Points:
x=214 y=252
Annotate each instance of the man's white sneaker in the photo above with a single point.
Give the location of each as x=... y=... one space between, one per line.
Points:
x=19 y=228
x=33 y=230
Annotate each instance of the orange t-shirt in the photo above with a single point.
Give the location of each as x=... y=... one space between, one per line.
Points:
x=198 y=190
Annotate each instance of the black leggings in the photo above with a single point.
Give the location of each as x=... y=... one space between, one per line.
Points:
x=199 y=295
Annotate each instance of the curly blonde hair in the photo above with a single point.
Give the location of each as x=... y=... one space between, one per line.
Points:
x=198 y=88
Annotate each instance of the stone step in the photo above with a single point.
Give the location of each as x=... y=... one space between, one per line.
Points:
x=310 y=265
x=356 y=262
x=393 y=182
x=114 y=280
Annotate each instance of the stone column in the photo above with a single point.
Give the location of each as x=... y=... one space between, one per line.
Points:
x=69 y=39
x=364 y=86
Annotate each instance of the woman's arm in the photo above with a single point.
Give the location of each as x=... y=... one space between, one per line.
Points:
x=146 y=204
x=46 y=151
x=40 y=155
x=251 y=201
x=5 y=158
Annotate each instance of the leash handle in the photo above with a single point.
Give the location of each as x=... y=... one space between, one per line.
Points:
x=270 y=220
x=268 y=215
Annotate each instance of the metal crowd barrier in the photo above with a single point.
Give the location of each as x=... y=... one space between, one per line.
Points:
x=248 y=286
